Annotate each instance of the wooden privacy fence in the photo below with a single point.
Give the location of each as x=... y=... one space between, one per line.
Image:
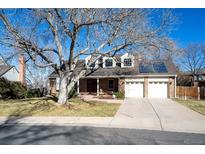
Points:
x=190 y=92
x=202 y=93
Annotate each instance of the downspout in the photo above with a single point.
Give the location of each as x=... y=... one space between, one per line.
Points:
x=175 y=85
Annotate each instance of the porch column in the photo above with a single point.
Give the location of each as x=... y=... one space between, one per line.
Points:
x=175 y=86
x=78 y=91
x=146 y=87
x=97 y=86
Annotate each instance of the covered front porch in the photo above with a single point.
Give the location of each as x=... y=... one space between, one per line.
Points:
x=97 y=86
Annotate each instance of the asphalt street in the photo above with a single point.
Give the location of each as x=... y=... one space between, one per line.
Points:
x=19 y=134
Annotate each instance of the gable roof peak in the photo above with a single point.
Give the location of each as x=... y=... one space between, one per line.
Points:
x=2 y=60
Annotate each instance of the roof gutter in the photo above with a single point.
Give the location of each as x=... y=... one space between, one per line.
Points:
x=131 y=76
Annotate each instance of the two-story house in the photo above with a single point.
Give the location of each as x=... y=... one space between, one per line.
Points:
x=125 y=73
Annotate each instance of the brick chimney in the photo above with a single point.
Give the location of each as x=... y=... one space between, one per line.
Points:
x=22 y=70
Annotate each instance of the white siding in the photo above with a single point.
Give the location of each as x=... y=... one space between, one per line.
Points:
x=12 y=75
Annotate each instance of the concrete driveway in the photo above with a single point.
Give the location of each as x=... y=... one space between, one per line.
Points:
x=159 y=114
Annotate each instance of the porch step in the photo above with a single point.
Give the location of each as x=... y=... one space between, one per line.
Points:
x=94 y=96
x=105 y=97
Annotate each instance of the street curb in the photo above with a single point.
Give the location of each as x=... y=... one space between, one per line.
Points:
x=105 y=122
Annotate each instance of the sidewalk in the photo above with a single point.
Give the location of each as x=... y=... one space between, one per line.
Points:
x=113 y=122
x=108 y=122
x=60 y=121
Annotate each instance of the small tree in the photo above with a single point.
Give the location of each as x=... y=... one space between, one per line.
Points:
x=57 y=38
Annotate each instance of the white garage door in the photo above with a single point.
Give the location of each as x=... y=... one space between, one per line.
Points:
x=157 y=89
x=134 y=89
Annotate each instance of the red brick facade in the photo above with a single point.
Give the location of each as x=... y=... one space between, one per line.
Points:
x=171 y=87
x=119 y=85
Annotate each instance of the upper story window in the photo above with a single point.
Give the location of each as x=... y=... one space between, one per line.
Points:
x=90 y=63
x=127 y=62
x=108 y=62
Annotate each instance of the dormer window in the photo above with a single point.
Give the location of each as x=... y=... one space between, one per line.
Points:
x=127 y=62
x=92 y=65
x=89 y=63
x=108 y=62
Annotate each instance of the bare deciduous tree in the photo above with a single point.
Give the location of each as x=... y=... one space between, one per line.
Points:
x=193 y=59
x=57 y=38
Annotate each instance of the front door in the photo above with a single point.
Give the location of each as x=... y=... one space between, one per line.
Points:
x=92 y=85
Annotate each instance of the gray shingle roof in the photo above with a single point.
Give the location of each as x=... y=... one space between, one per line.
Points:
x=133 y=71
x=123 y=72
x=4 y=69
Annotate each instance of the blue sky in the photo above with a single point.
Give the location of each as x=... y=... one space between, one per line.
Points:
x=191 y=28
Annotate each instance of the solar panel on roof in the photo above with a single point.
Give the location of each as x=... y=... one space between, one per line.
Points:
x=146 y=68
x=160 y=67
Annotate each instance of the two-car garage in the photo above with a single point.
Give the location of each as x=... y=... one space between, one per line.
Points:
x=147 y=87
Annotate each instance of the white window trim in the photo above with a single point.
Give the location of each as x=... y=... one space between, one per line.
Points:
x=113 y=62
x=122 y=62
x=86 y=62
x=126 y=56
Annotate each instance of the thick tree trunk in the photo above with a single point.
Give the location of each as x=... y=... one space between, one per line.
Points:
x=63 y=92
x=66 y=85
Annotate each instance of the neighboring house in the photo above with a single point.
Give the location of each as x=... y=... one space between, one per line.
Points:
x=10 y=72
x=7 y=71
x=127 y=74
x=187 y=79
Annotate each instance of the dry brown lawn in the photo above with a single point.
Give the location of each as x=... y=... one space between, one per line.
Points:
x=198 y=106
x=47 y=107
